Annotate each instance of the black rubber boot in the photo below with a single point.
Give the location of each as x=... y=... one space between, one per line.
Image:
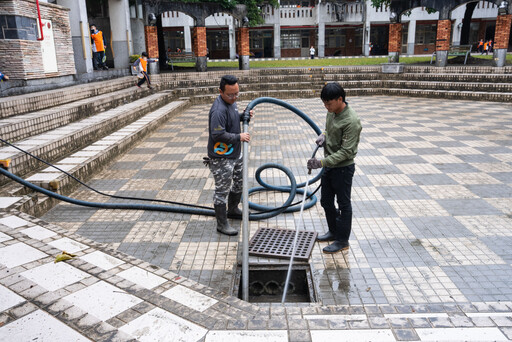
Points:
x=222 y=221
x=233 y=201
x=325 y=237
x=342 y=234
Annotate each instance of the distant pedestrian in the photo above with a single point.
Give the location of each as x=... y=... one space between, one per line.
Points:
x=486 y=45
x=370 y=47
x=98 y=43
x=489 y=46
x=141 y=65
x=480 y=47
x=312 y=52
x=3 y=77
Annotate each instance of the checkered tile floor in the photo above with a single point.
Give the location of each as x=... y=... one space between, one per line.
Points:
x=432 y=201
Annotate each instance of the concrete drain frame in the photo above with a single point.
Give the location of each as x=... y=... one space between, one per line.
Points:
x=266 y=283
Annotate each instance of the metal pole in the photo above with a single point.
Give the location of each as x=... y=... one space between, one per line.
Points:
x=294 y=249
x=245 y=212
x=288 y=275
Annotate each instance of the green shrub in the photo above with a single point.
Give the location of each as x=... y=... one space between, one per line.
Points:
x=133 y=58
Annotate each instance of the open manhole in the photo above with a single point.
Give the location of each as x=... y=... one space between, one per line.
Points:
x=278 y=243
x=266 y=285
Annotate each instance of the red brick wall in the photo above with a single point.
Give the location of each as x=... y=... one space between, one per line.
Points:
x=22 y=59
x=502 y=35
x=444 y=28
x=395 y=37
x=242 y=41
x=151 y=38
x=199 y=41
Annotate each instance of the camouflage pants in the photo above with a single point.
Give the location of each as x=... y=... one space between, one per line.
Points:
x=227 y=174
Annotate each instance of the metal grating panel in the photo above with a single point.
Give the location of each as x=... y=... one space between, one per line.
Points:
x=278 y=243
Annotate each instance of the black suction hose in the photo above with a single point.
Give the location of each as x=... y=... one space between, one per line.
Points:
x=265 y=212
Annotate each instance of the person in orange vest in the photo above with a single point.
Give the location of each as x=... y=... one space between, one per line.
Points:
x=489 y=46
x=98 y=48
x=480 y=47
x=486 y=46
x=141 y=65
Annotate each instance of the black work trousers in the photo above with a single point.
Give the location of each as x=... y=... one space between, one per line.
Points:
x=337 y=184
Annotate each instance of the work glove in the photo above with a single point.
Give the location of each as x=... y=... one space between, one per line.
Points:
x=320 y=141
x=314 y=163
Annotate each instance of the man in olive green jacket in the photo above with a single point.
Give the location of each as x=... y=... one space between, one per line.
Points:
x=340 y=141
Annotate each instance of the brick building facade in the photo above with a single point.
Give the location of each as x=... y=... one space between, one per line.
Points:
x=20 y=51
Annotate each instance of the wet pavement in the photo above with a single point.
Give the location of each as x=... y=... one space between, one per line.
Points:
x=432 y=228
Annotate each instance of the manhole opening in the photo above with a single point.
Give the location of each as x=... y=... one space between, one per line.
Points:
x=266 y=285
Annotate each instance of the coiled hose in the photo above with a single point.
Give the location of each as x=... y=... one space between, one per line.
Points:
x=264 y=212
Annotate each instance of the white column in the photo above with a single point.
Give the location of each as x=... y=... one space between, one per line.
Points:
x=411 y=37
x=321 y=8
x=80 y=34
x=188 y=38
x=456 y=31
x=366 y=38
x=277 y=38
x=122 y=46
x=232 y=39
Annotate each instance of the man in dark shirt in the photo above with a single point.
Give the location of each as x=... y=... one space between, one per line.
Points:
x=224 y=149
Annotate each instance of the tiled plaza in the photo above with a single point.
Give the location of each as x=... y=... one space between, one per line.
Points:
x=430 y=255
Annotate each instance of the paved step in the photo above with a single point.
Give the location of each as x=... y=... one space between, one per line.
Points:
x=63 y=141
x=14 y=105
x=440 y=77
x=460 y=86
x=25 y=125
x=451 y=94
x=93 y=158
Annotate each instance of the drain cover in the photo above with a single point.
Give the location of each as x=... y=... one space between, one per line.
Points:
x=278 y=243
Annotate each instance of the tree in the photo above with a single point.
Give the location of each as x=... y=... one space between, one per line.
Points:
x=466 y=23
x=387 y=3
x=253 y=7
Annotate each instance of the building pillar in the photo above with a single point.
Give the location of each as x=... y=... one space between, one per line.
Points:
x=457 y=31
x=122 y=48
x=200 y=48
x=277 y=38
x=411 y=37
x=501 y=39
x=232 y=40
x=151 y=37
x=366 y=38
x=395 y=42
x=188 y=38
x=80 y=34
x=444 y=28
x=321 y=39
x=243 y=48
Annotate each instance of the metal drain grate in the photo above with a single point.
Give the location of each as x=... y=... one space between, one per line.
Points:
x=278 y=243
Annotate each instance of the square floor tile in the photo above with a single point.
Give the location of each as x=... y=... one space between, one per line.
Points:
x=102 y=300
x=13 y=222
x=19 y=254
x=352 y=335
x=247 y=336
x=8 y=201
x=38 y=233
x=102 y=260
x=39 y=326
x=8 y=298
x=68 y=245
x=461 y=334
x=190 y=298
x=157 y=324
x=4 y=237
x=141 y=277
x=54 y=276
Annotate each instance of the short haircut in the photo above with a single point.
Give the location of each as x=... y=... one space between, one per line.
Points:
x=227 y=79
x=92 y=25
x=144 y=54
x=332 y=91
